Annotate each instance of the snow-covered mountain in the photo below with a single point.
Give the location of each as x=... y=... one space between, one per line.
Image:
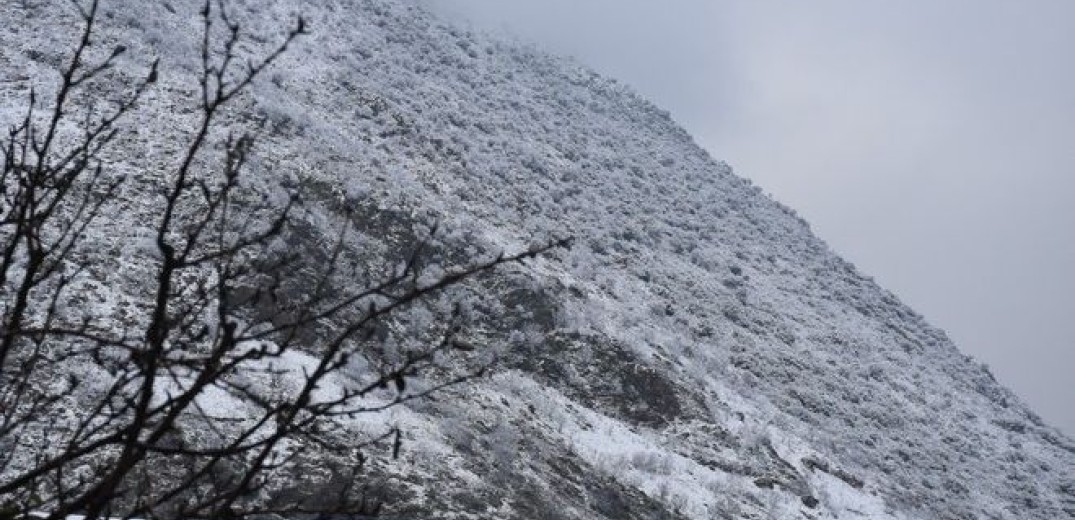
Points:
x=698 y=353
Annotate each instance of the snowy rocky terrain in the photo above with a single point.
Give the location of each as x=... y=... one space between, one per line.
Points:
x=698 y=353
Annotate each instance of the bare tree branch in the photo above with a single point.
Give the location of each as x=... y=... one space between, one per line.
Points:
x=118 y=442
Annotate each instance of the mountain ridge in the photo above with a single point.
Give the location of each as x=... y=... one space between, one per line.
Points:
x=698 y=353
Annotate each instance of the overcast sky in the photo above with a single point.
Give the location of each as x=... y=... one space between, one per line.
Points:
x=930 y=143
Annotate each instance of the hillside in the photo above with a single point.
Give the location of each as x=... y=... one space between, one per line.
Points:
x=698 y=353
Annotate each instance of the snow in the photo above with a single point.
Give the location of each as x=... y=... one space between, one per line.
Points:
x=766 y=337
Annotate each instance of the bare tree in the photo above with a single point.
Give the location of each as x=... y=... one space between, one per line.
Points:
x=216 y=318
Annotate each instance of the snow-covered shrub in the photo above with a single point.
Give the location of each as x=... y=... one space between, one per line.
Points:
x=652 y=462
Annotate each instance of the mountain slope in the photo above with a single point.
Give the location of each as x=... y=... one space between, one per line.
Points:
x=699 y=353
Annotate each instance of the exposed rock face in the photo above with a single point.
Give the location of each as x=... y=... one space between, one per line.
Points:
x=699 y=353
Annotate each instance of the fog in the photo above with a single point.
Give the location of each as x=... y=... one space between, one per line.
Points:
x=930 y=143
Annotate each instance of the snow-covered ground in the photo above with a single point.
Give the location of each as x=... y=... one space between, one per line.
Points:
x=698 y=353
